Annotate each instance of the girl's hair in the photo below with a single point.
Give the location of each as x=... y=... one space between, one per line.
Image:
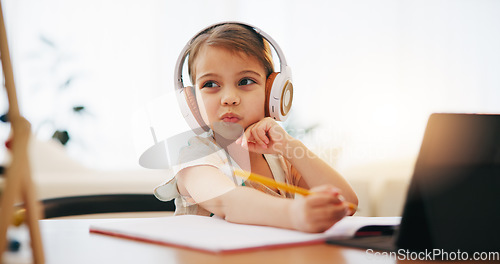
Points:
x=234 y=37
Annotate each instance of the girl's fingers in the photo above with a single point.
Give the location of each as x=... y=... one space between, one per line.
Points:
x=325 y=207
x=322 y=197
x=262 y=132
x=259 y=135
x=246 y=137
x=262 y=137
x=256 y=134
x=319 y=219
x=332 y=213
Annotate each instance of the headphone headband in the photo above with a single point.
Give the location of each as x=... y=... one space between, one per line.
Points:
x=179 y=65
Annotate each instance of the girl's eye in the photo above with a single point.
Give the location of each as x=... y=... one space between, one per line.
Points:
x=209 y=84
x=246 y=81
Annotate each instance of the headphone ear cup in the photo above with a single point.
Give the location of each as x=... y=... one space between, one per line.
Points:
x=279 y=96
x=193 y=105
x=269 y=86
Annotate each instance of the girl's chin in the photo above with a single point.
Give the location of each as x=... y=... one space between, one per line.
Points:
x=228 y=130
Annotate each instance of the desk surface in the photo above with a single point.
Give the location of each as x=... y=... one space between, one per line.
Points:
x=69 y=241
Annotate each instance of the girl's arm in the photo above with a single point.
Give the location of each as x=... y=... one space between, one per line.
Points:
x=316 y=172
x=266 y=136
x=216 y=193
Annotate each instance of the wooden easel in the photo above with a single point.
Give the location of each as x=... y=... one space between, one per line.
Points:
x=18 y=182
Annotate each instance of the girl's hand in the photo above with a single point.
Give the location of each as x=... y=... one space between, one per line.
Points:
x=265 y=137
x=319 y=211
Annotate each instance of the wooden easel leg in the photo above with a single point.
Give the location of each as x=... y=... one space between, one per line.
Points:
x=18 y=182
x=33 y=214
x=19 y=185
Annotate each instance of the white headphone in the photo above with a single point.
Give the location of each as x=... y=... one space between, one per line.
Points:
x=279 y=88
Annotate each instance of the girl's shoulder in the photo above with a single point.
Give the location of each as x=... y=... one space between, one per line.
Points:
x=197 y=147
x=205 y=139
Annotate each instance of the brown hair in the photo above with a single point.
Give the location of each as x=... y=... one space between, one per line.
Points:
x=234 y=37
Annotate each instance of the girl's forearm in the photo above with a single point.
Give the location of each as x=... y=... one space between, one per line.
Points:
x=245 y=206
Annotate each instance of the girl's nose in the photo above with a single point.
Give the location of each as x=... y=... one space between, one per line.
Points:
x=230 y=97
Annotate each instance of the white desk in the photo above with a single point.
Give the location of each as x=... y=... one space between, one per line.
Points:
x=69 y=241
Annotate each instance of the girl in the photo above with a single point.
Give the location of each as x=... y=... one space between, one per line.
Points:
x=229 y=65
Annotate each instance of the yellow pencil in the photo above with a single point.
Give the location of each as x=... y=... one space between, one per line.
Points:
x=286 y=187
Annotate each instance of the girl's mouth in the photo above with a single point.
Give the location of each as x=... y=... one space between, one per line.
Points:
x=230 y=119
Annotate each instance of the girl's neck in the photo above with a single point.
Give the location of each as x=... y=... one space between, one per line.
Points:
x=254 y=156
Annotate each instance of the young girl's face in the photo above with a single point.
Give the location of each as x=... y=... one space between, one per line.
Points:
x=230 y=86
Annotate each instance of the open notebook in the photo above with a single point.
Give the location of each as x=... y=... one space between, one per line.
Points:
x=212 y=234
